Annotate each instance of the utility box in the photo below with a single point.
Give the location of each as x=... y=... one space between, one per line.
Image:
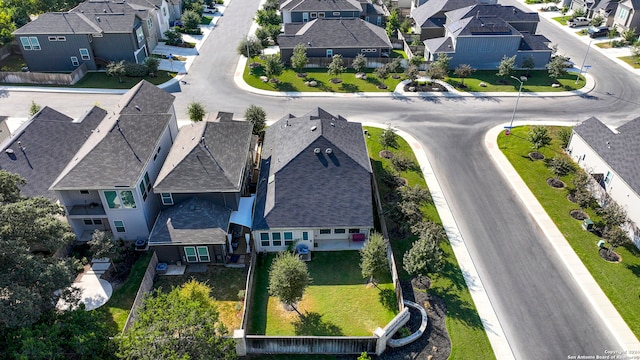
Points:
x=587 y=224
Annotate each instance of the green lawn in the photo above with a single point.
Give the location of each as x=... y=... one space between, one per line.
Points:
x=620 y=282
x=288 y=81
x=102 y=80
x=225 y=284
x=337 y=303
x=122 y=298
x=206 y=20
x=468 y=338
x=562 y=19
x=631 y=60
x=13 y=63
x=538 y=81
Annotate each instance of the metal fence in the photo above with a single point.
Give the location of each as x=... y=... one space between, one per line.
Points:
x=8 y=77
x=145 y=286
x=259 y=344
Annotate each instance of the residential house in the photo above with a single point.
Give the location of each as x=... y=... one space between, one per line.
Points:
x=43 y=146
x=610 y=156
x=4 y=129
x=108 y=182
x=93 y=33
x=204 y=189
x=481 y=35
x=593 y=8
x=429 y=19
x=175 y=10
x=627 y=15
x=302 y=11
x=315 y=185
x=328 y=37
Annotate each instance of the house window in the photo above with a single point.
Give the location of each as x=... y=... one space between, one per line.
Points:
x=623 y=13
x=53 y=38
x=366 y=18
x=84 y=54
x=74 y=61
x=379 y=21
x=147 y=181
x=264 y=239
x=314 y=15
x=92 y=222
x=84 y=192
x=305 y=17
x=140 y=36
x=325 y=231
x=373 y=50
x=97 y=222
x=164 y=11
x=339 y=231
x=203 y=254
x=149 y=23
x=88 y=222
x=128 y=201
x=119 y=225
x=190 y=253
x=277 y=240
x=167 y=199
x=62 y=38
x=329 y=53
x=608 y=178
x=288 y=238
x=321 y=14
x=354 y=231
x=143 y=190
x=336 y=13
x=157 y=152
x=305 y=235
x=30 y=43
x=112 y=199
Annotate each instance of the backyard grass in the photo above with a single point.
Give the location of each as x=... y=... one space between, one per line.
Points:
x=538 y=81
x=13 y=63
x=102 y=80
x=225 y=284
x=468 y=338
x=288 y=81
x=122 y=298
x=631 y=60
x=337 y=303
x=621 y=281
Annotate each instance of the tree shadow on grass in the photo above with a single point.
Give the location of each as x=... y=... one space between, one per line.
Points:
x=452 y=272
x=311 y=323
x=635 y=269
x=387 y=298
x=349 y=88
x=457 y=308
x=285 y=86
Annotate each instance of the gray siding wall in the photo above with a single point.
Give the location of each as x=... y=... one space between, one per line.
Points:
x=228 y=200
x=56 y=55
x=484 y=52
x=173 y=253
x=296 y=16
x=116 y=47
x=540 y=58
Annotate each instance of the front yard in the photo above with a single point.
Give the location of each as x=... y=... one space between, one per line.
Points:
x=339 y=302
x=225 y=283
x=538 y=81
x=468 y=337
x=619 y=281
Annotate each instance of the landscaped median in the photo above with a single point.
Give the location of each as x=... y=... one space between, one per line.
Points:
x=619 y=281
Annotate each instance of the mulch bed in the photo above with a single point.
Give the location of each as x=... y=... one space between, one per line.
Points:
x=578 y=214
x=571 y=197
x=534 y=155
x=610 y=256
x=335 y=81
x=386 y=154
x=428 y=87
x=556 y=183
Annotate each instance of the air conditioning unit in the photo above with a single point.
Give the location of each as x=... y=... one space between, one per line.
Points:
x=328 y=151
x=316 y=151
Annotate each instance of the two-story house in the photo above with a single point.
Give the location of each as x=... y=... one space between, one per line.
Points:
x=302 y=11
x=482 y=34
x=108 y=182
x=627 y=15
x=204 y=190
x=610 y=156
x=93 y=33
x=315 y=185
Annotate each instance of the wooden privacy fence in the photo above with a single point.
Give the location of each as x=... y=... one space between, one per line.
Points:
x=145 y=286
x=43 y=78
x=258 y=344
x=322 y=62
x=248 y=296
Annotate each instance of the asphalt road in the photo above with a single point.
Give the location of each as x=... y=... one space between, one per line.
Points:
x=542 y=310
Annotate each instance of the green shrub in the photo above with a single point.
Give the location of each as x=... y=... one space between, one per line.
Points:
x=135 y=70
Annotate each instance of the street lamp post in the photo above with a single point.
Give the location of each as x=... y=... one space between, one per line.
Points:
x=517 y=100
x=583 y=61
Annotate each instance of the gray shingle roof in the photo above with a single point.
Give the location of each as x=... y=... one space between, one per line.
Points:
x=50 y=140
x=433 y=8
x=439 y=45
x=534 y=42
x=335 y=33
x=301 y=188
x=216 y=164
x=191 y=222
x=619 y=150
x=481 y=26
x=321 y=5
x=506 y=13
x=117 y=152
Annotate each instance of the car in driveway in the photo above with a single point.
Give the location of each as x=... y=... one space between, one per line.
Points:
x=597 y=31
x=579 y=21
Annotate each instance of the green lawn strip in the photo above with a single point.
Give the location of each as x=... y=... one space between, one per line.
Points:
x=102 y=80
x=620 y=282
x=469 y=340
x=225 y=284
x=538 y=81
x=337 y=303
x=122 y=298
x=562 y=19
x=289 y=81
x=634 y=61
x=397 y=53
x=206 y=20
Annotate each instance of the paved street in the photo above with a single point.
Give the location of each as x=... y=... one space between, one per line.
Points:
x=543 y=312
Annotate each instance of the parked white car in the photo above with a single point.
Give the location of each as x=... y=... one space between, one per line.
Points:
x=579 y=21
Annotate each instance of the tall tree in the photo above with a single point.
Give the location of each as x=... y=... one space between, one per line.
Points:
x=373 y=258
x=507 y=66
x=10 y=184
x=191 y=19
x=412 y=72
x=258 y=118
x=288 y=278
x=273 y=67
x=196 y=111
x=389 y=138
x=557 y=67
x=539 y=137
x=299 y=58
x=382 y=73
x=7 y=26
x=561 y=166
x=336 y=67
x=181 y=324
x=116 y=69
x=152 y=64
x=463 y=71
x=529 y=64
x=393 y=22
x=616 y=237
x=267 y=17
x=252 y=45
x=613 y=214
x=423 y=259
x=359 y=63
x=439 y=68
x=103 y=245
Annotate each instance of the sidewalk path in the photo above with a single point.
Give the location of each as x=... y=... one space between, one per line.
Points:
x=601 y=304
